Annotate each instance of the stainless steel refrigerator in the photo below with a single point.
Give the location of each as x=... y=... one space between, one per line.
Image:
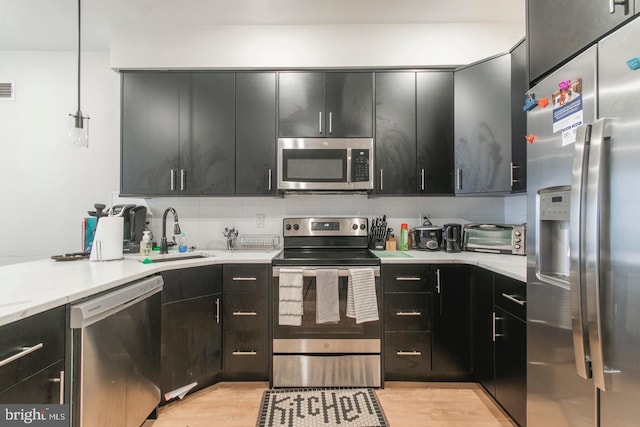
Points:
x=583 y=266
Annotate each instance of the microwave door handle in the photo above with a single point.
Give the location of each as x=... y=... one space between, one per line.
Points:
x=596 y=220
x=348 y=177
x=577 y=251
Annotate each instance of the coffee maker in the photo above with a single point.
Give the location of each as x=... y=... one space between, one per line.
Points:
x=452 y=237
x=135 y=221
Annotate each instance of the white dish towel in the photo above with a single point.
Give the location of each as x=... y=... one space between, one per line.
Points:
x=290 y=308
x=327 y=299
x=362 y=303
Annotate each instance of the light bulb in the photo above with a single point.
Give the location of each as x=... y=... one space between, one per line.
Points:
x=79 y=130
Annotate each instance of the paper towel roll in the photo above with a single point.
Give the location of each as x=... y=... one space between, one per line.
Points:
x=107 y=243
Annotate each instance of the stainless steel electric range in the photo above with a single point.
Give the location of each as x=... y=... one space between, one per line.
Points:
x=338 y=354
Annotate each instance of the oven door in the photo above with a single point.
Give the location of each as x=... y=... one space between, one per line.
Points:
x=311 y=337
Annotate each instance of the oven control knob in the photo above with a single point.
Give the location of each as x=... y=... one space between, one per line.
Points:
x=517 y=240
x=363 y=226
x=517 y=246
x=354 y=226
x=296 y=227
x=288 y=227
x=517 y=233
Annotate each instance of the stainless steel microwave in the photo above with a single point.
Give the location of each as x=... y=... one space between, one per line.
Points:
x=495 y=238
x=325 y=164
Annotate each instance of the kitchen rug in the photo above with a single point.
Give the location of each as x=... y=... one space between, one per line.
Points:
x=321 y=407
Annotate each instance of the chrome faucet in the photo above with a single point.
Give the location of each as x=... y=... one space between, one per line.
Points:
x=176 y=229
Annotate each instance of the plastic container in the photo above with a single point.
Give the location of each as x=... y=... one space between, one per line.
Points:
x=182 y=244
x=145 y=243
x=404 y=237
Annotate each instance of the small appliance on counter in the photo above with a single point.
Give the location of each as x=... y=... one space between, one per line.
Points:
x=134 y=222
x=427 y=237
x=495 y=238
x=452 y=234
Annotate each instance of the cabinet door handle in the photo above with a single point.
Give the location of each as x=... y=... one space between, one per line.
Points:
x=614 y=3
x=459 y=179
x=408 y=279
x=183 y=175
x=217 y=310
x=408 y=313
x=245 y=313
x=269 y=177
x=244 y=353
x=514 y=299
x=244 y=279
x=422 y=179
x=330 y=122
x=60 y=381
x=24 y=351
x=514 y=181
x=409 y=353
x=320 y=122
x=172 y=180
x=494 y=335
x=438 y=287
x=381 y=181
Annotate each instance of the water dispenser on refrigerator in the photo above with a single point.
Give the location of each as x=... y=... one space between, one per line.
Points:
x=553 y=235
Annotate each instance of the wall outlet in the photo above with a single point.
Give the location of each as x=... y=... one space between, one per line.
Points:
x=259 y=220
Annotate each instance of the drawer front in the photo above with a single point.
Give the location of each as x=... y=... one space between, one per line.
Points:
x=511 y=295
x=34 y=343
x=190 y=283
x=44 y=387
x=407 y=356
x=246 y=355
x=406 y=278
x=251 y=278
x=407 y=312
x=245 y=312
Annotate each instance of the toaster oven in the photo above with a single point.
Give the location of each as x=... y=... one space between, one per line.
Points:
x=495 y=238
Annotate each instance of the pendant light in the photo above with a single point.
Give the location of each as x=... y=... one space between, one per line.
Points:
x=79 y=124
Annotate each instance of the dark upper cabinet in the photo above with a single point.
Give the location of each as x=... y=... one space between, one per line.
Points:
x=149 y=125
x=318 y=104
x=559 y=29
x=451 y=330
x=207 y=133
x=255 y=133
x=434 y=119
x=519 y=85
x=178 y=133
x=395 y=133
x=483 y=126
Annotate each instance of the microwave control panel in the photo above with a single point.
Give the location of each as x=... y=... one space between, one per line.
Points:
x=360 y=165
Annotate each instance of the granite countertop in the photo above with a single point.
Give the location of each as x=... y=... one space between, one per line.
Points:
x=33 y=287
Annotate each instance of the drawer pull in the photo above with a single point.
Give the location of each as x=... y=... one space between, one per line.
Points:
x=408 y=313
x=244 y=279
x=409 y=279
x=60 y=381
x=24 y=352
x=245 y=313
x=244 y=353
x=409 y=353
x=514 y=299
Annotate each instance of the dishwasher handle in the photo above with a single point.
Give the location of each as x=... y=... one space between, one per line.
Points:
x=94 y=310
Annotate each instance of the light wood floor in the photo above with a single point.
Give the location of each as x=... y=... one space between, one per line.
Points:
x=405 y=404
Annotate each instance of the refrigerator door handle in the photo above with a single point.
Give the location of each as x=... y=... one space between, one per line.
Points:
x=576 y=252
x=595 y=221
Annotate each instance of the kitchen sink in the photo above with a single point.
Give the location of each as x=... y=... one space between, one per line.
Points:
x=174 y=257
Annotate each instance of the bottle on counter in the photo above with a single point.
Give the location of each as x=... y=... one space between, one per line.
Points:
x=404 y=237
x=182 y=243
x=391 y=243
x=145 y=243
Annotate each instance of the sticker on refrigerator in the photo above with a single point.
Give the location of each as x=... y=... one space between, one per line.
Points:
x=567 y=109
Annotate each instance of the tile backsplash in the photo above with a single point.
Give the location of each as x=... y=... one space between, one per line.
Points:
x=203 y=219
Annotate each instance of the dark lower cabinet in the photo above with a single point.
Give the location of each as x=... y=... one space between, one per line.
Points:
x=482 y=316
x=451 y=332
x=36 y=374
x=191 y=342
x=246 y=322
x=511 y=365
x=407 y=356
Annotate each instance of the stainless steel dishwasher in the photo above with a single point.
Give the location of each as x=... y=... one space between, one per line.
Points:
x=116 y=356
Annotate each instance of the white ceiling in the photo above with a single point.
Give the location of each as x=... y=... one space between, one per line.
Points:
x=52 y=24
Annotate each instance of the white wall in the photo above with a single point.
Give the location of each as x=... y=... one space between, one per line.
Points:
x=47 y=184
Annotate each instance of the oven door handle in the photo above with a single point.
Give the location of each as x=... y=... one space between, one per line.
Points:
x=312 y=272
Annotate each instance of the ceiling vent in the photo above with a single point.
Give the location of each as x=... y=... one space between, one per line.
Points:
x=7 y=91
